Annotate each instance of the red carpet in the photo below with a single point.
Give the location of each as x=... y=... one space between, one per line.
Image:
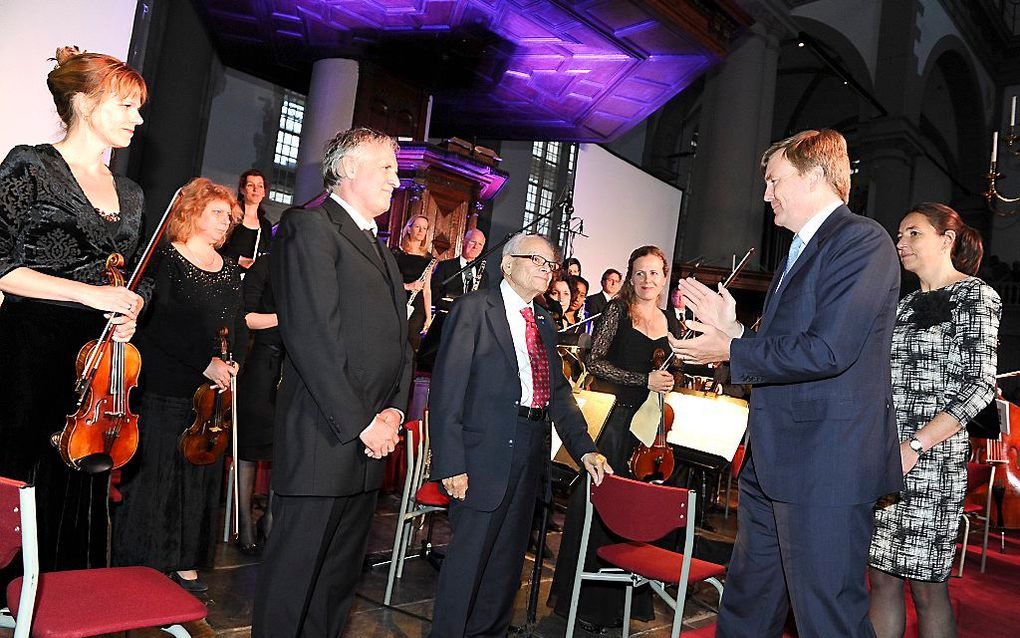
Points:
x=986 y=604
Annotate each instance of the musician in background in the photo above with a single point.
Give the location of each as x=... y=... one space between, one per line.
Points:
x=943 y=374
x=611 y=282
x=413 y=258
x=495 y=388
x=558 y=300
x=251 y=237
x=626 y=336
x=168 y=517
x=578 y=292
x=62 y=212
x=443 y=294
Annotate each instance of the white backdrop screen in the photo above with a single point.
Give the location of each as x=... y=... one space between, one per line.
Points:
x=33 y=29
x=623 y=207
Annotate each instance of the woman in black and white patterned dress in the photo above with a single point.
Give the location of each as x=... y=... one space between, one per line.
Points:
x=943 y=373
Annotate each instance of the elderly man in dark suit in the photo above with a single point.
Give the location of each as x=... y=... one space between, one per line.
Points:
x=340 y=302
x=492 y=390
x=823 y=445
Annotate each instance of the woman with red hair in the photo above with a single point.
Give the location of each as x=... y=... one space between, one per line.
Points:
x=62 y=213
x=167 y=517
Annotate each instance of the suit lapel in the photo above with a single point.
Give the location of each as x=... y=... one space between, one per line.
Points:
x=352 y=233
x=496 y=316
x=773 y=300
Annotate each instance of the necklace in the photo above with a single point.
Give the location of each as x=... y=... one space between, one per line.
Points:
x=198 y=262
x=107 y=216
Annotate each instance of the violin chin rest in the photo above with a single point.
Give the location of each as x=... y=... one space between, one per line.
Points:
x=96 y=463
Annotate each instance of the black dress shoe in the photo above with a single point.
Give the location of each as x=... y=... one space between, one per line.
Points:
x=195 y=585
x=249 y=549
x=590 y=627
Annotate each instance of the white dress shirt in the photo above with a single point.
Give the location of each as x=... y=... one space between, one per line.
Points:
x=518 y=325
x=359 y=219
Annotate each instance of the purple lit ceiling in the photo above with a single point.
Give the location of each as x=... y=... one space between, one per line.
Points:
x=525 y=69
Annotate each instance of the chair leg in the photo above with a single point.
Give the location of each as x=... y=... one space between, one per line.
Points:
x=394 y=558
x=628 y=598
x=178 y=631
x=966 y=538
x=715 y=582
x=6 y=619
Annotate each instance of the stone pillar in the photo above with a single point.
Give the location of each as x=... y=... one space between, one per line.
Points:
x=887 y=148
x=328 y=109
x=724 y=214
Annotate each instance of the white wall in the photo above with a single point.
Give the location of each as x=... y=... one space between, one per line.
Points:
x=32 y=31
x=623 y=208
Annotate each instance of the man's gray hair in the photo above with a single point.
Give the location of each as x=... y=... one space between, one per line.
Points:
x=347 y=143
x=513 y=247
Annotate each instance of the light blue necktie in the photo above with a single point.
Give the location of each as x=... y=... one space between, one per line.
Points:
x=796 y=246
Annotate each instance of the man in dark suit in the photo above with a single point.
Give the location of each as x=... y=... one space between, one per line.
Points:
x=340 y=302
x=612 y=280
x=492 y=390
x=443 y=294
x=823 y=445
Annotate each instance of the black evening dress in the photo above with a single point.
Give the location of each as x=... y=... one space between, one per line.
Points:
x=168 y=515
x=411 y=269
x=620 y=360
x=242 y=241
x=260 y=374
x=48 y=224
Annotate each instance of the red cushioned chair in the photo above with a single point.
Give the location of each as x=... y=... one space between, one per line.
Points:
x=84 y=602
x=643 y=513
x=978 y=475
x=420 y=498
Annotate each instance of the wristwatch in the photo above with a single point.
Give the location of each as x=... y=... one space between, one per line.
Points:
x=916 y=445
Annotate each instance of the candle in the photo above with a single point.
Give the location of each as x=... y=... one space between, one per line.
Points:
x=995 y=149
x=1012 y=112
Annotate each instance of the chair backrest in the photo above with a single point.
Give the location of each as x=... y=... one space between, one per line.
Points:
x=640 y=511
x=978 y=475
x=10 y=520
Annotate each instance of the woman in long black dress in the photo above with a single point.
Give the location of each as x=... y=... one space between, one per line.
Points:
x=167 y=518
x=251 y=237
x=413 y=257
x=626 y=336
x=256 y=396
x=62 y=213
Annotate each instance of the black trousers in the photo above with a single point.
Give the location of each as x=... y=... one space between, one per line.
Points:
x=482 y=569
x=312 y=565
x=812 y=556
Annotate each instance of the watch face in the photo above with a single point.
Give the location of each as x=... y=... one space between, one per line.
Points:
x=916 y=446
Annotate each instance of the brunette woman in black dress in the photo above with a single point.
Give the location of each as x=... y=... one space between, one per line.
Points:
x=62 y=213
x=168 y=515
x=626 y=336
x=256 y=397
x=413 y=257
x=251 y=237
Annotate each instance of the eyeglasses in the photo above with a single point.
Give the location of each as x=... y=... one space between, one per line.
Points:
x=540 y=261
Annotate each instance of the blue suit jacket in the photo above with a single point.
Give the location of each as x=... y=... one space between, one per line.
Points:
x=475 y=394
x=822 y=424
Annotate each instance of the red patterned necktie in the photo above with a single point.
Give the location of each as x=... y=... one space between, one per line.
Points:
x=539 y=361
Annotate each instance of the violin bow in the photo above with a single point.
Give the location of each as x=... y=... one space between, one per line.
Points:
x=733 y=275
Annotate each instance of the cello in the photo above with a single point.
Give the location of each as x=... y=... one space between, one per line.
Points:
x=655 y=463
x=103 y=433
x=206 y=439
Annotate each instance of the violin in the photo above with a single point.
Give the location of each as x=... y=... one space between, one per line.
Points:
x=655 y=463
x=206 y=439
x=103 y=433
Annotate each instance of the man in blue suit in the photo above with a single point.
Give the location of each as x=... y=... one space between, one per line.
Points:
x=823 y=445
